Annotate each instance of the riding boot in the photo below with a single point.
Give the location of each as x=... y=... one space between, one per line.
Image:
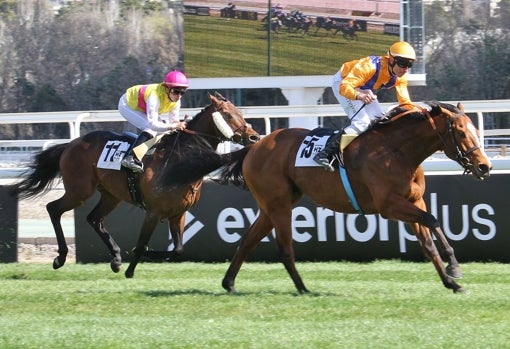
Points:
x=331 y=147
x=130 y=161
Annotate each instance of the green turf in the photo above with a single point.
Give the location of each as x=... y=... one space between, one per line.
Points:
x=385 y=304
x=217 y=47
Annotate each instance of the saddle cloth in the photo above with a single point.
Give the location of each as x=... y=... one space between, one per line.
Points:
x=115 y=150
x=313 y=143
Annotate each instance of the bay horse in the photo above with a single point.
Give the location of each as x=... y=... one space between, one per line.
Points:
x=384 y=169
x=77 y=160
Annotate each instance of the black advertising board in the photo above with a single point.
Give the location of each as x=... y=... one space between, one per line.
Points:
x=8 y=226
x=472 y=214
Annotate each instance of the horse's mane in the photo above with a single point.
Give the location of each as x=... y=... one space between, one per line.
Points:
x=188 y=156
x=433 y=108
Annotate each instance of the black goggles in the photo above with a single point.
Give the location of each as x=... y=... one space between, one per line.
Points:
x=177 y=91
x=403 y=62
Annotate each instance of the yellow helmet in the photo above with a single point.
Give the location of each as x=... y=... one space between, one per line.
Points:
x=402 y=49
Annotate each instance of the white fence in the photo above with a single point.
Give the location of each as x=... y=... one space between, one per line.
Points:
x=74 y=119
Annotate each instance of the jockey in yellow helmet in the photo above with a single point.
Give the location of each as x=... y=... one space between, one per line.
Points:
x=354 y=86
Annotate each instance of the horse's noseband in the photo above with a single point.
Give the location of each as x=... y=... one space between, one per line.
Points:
x=238 y=133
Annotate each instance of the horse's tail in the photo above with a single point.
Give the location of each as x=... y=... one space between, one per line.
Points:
x=41 y=173
x=232 y=170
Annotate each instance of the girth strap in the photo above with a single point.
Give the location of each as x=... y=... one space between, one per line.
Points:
x=348 y=190
x=134 y=189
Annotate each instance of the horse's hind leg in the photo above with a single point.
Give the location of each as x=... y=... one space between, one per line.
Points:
x=95 y=218
x=55 y=210
x=282 y=222
x=257 y=231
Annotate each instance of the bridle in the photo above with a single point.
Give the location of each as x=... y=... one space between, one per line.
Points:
x=236 y=137
x=461 y=156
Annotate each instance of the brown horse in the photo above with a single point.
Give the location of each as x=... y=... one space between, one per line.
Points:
x=383 y=166
x=77 y=163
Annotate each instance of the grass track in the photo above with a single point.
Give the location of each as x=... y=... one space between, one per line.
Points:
x=385 y=304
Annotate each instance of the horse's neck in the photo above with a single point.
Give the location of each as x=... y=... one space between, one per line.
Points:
x=417 y=142
x=204 y=127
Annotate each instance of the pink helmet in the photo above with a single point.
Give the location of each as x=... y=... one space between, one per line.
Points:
x=176 y=79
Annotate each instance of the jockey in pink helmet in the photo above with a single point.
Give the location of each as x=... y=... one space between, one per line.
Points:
x=143 y=107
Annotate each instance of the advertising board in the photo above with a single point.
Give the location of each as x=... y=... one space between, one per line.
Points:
x=472 y=214
x=9 y=225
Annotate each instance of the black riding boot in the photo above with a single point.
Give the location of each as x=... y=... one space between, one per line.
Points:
x=130 y=161
x=332 y=147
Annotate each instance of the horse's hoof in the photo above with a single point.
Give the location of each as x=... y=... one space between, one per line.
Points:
x=228 y=286
x=454 y=271
x=58 y=262
x=461 y=290
x=115 y=265
x=129 y=274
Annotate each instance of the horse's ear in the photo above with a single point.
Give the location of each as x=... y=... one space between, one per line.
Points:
x=460 y=107
x=219 y=96
x=213 y=99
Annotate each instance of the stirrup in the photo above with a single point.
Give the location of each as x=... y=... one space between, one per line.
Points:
x=132 y=164
x=324 y=162
x=340 y=158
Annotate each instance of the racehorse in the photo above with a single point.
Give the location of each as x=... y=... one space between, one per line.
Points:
x=327 y=24
x=77 y=163
x=349 y=30
x=383 y=166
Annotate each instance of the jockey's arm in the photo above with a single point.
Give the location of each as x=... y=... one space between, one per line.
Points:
x=402 y=92
x=155 y=122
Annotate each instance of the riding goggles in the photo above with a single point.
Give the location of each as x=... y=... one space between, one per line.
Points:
x=404 y=63
x=177 y=91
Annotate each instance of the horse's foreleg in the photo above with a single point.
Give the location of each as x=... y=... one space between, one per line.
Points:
x=95 y=218
x=149 y=224
x=176 y=227
x=257 y=231
x=430 y=250
x=445 y=250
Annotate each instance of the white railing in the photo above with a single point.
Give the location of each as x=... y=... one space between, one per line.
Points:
x=75 y=118
x=22 y=150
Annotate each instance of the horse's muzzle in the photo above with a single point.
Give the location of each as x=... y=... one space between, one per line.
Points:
x=481 y=171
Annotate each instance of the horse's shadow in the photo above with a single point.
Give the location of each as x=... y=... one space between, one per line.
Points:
x=194 y=291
